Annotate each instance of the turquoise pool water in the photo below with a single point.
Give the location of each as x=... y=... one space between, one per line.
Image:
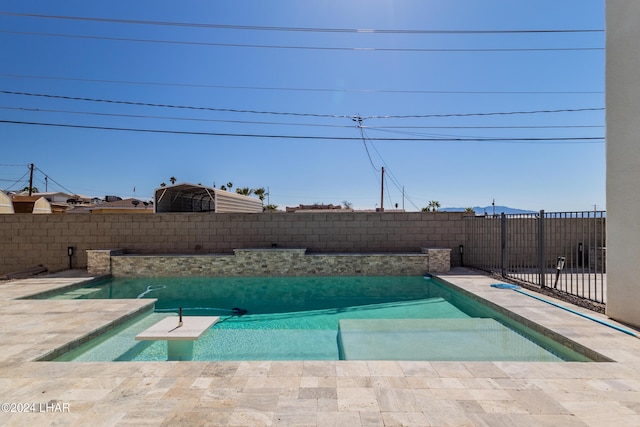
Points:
x=319 y=318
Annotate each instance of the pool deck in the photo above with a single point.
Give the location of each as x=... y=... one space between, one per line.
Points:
x=305 y=393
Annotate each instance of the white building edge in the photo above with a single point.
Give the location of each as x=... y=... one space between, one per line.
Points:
x=623 y=160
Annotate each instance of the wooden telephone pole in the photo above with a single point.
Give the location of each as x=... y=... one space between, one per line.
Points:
x=31 y=179
x=382 y=192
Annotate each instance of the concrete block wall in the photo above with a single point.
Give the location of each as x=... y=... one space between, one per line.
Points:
x=29 y=240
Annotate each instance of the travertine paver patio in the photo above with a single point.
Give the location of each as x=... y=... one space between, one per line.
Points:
x=306 y=393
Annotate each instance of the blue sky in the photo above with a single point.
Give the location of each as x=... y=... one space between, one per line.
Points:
x=329 y=76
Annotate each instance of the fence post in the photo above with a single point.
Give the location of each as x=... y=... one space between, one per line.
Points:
x=503 y=244
x=541 y=254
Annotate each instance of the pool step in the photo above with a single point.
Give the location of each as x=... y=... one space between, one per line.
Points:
x=76 y=293
x=118 y=344
x=434 y=339
x=267 y=344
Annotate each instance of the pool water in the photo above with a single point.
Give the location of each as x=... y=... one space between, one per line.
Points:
x=319 y=318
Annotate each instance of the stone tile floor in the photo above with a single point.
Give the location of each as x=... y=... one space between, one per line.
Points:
x=305 y=393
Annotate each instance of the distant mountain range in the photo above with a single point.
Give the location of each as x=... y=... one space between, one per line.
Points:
x=480 y=210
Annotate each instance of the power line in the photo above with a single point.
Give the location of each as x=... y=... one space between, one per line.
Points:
x=422 y=116
x=317 y=48
x=187 y=107
x=313 y=137
x=432 y=135
x=358 y=120
x=394 y=180
x=146 y=116
x=54 y=181
x=301 y=89
x=19 y=179
x=389 y=129
x=486 y=127
x=333 y=116
x=299 y=29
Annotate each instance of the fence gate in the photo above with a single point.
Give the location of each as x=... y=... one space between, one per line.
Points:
x=561 y=250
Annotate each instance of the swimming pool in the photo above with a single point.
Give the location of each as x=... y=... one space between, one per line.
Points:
x=319 y=318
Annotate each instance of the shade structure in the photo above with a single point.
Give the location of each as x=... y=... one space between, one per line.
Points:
x=185 y=197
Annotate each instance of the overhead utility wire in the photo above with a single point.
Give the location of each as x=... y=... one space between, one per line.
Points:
x=19 y=179
x=193 y=119
x=485 y=127
x=333 y=116
x=53 y=180
x=295 y=29
x=358 y=120
x=187 y=107
x=309 y=137
x=390 y=174
x=252 y=122
x=300 y=89
x=12 y=166
x=422 y=116
x=351 y=49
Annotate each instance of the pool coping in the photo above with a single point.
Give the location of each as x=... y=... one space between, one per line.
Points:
x=95 y=333
x=65 y=288
x=595 y=356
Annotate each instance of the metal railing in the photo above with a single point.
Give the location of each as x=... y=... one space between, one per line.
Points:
x=565 y=251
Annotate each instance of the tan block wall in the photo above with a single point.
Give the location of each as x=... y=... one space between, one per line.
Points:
x=29 y=240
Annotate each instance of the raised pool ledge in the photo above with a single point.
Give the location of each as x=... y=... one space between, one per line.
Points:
x=273 y=262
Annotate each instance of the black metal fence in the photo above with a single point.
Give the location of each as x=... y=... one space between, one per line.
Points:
x=561 y=250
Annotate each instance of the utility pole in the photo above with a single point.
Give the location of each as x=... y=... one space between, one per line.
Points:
x=46 y=184
x=382 y=192
x=31 y=179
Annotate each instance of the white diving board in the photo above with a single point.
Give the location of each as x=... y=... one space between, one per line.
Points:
x=179 y=338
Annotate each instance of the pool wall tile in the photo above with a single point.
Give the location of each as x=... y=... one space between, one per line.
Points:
x=270 y=262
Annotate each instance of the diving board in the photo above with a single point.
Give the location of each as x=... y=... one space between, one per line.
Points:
x=179 y=337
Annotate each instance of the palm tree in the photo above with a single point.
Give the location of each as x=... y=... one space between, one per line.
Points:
x=245 y=191
x=469 y=210
x=261 y=193
x=33 y=189
x=271 y=207
x=434 y=205
x=173 y=180
x=162 y=184
x=347 y=204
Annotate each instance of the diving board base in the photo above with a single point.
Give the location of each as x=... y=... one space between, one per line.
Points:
x=179 y=350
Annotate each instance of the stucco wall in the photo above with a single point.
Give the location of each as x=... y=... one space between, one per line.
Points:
x=29 y=240
x=623 y=159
